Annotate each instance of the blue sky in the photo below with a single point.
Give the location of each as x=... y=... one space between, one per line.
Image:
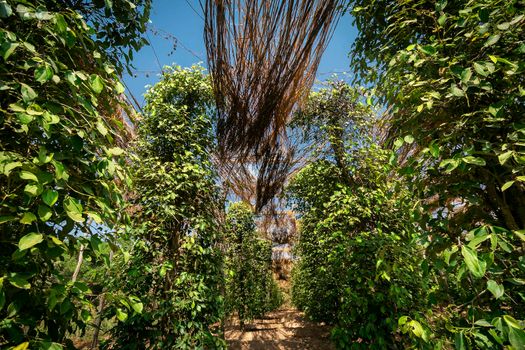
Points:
x=182 y=19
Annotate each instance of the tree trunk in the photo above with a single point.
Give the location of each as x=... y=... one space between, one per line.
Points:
x=100 y=309
x=79 y=263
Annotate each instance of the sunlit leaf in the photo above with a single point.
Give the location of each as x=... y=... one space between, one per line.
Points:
x=96 y=83
x=50 y=197
x=73 y=209
x=471 y=260
x=496 y=289
x=30 y=240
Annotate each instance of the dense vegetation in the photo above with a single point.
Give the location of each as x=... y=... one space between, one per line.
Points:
x=427 y=237
x=62 y=168
x=410 y=195
x=251 y=290
x=359 y=261
x=97 y=223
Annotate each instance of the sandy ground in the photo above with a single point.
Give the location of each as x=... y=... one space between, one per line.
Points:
x=279 y=330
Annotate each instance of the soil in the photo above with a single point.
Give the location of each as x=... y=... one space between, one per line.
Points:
x=284 y=329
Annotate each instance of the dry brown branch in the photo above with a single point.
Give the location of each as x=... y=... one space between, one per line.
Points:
x=263 y=56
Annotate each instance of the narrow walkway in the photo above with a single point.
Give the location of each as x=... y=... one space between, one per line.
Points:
x=280 y=330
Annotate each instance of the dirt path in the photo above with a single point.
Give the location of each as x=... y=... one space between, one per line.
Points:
x=280 y=330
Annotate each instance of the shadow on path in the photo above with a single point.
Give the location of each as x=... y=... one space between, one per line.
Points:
x=280 y=330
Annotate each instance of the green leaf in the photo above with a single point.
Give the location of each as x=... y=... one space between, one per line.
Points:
x=136 y=304
x=474 y=160
x=34 y=109
x=50 y=197
x=43 y=73
x=466 y=75
x=121 y=315
x=483 y=323
x=119 y=88
x=480 y=69
x=516 y=281
x=477 y=240
x=27 y=218
x=428 y=49
x=511 y=322
x=102 y=128
x=417 y=329
x=5 y=9
x=96 y=83
x=33 y=189
x=503 y=26
x=28 y=94
x=520 y=234
x=456 y=91
x=398 y=143
x=517 y=338
x=19 y=281
x=51 y=346
x=496 y=336
x=115 y=151
x=6 y=218
x=8 y=48
x=56 y=240
x=459 y=341
x=60 y=22
x=409 y=139
x=7 y=168
x=440 y=5
x=27 y=175
x=44 y=212
x=30 y=240
x=496 y=289
x=449 y=164
x=73 y=209
x=85 y=315
x=506 y=185
x=72 y=78
x=24 y=118
x=442 y=19
x=495 y=109
x=471 y=260
x=503 y=157
x=492 y=40
x=60 y=170
x=95 y=216
x=22 y=346
x=434 y=150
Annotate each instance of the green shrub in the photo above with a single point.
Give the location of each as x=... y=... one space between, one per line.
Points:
x=62 y=171
x=251 y=290
x=175 y=267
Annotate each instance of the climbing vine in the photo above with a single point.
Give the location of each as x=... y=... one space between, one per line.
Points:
x=61 y=165
x=451 y=75
x=251 y=290
x=175 y=264
x=359 y=262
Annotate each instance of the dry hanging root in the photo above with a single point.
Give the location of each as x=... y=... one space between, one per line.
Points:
x=263 y=56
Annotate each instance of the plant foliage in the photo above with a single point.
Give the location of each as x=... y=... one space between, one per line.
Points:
x=62 y=168
x=359 y=264
x=175 y=265
x=251 y=290
x=451 y=73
